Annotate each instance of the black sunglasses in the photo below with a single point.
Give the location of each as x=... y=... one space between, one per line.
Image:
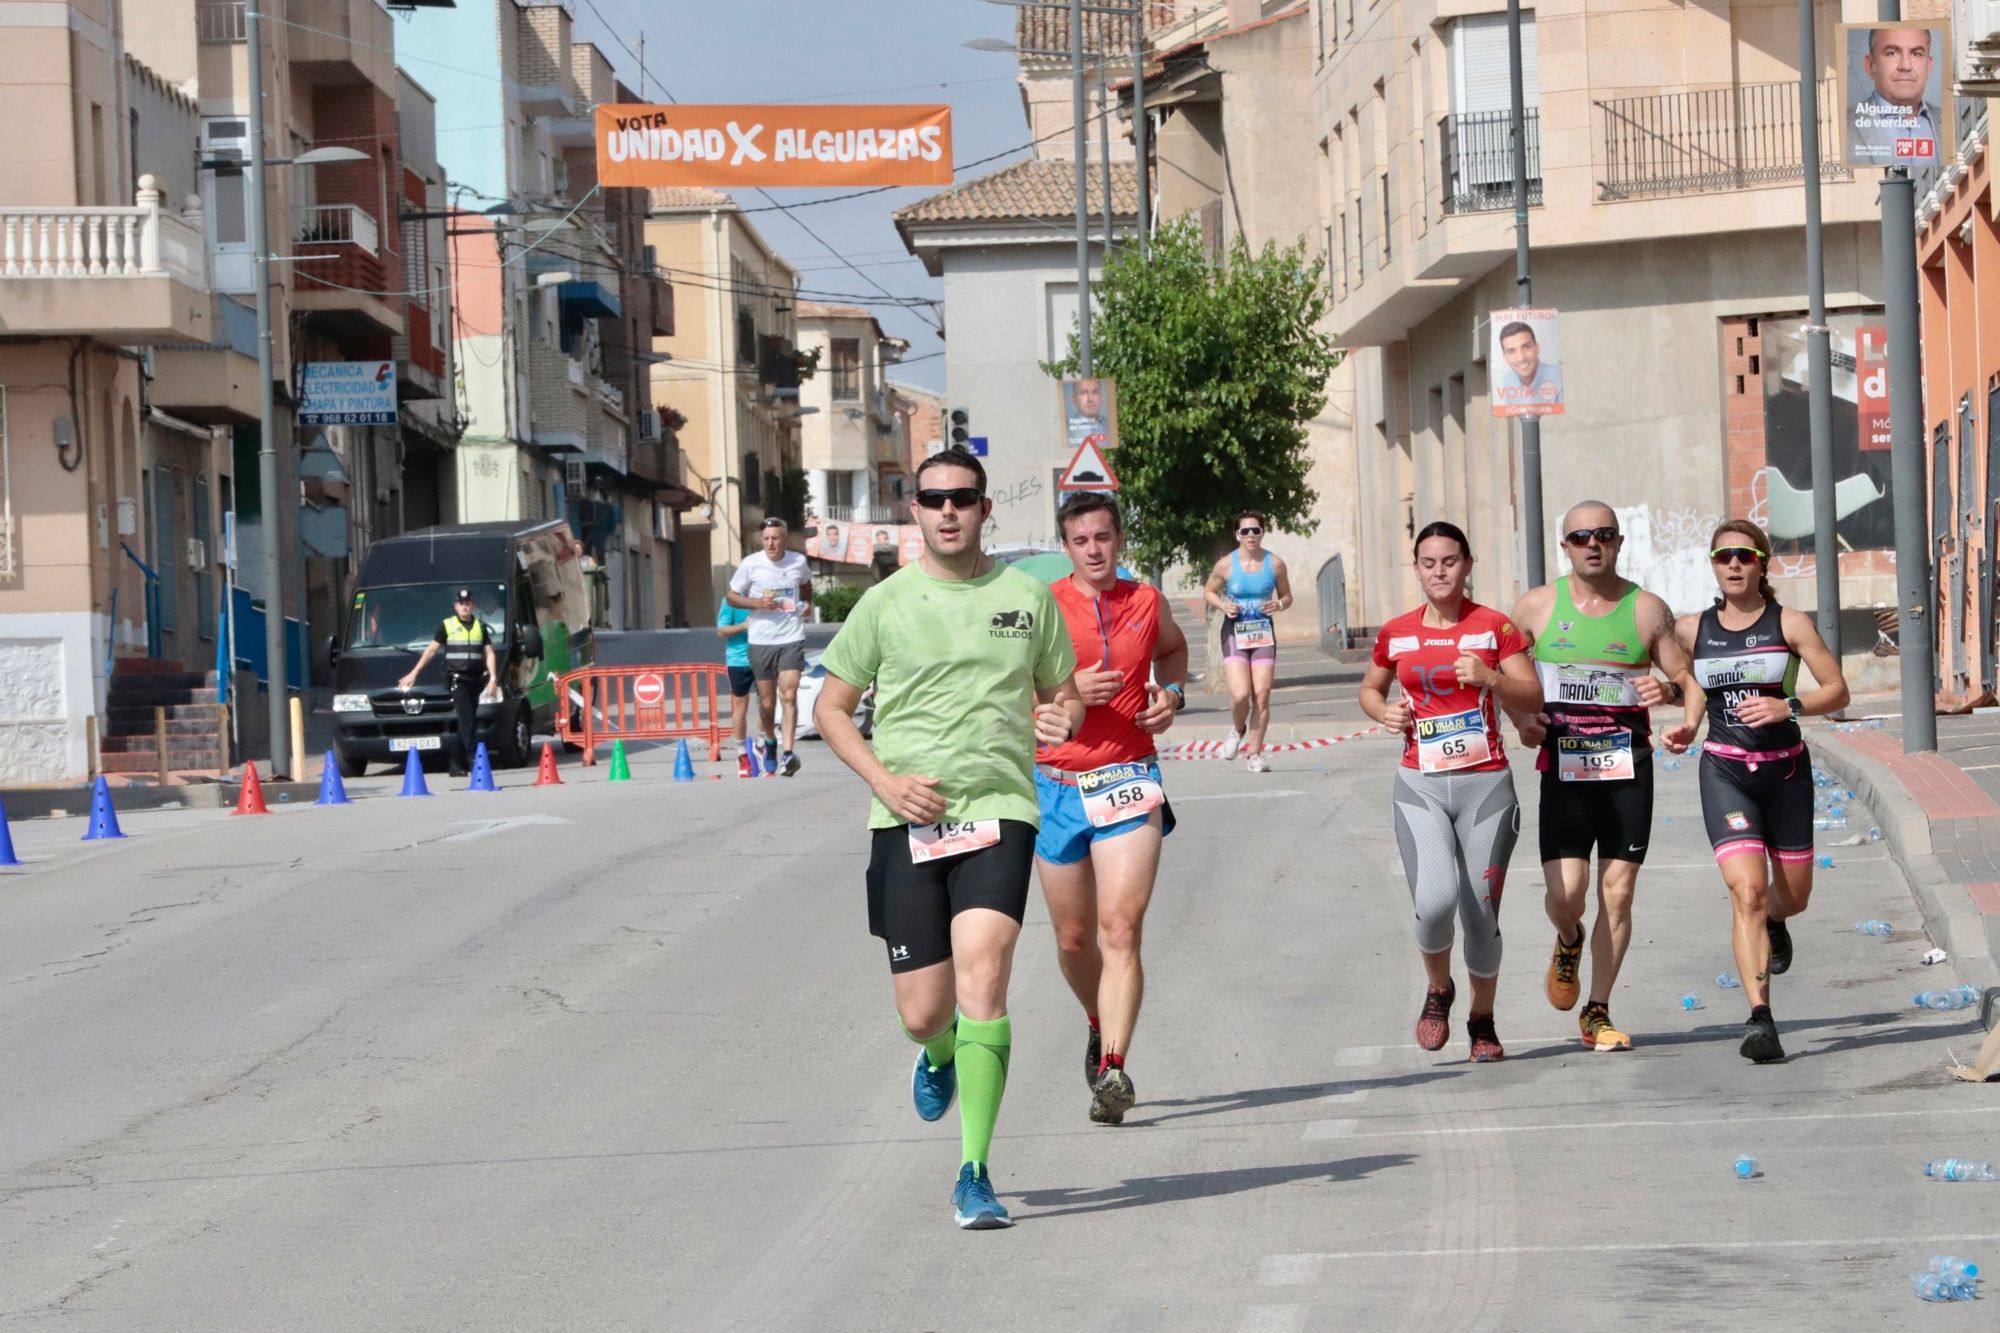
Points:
x=961 y=497
x=1582 y=536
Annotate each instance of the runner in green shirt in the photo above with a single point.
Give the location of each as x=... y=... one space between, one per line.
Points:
x=972 y=666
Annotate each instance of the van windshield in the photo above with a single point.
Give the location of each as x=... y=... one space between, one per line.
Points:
x=408 y=616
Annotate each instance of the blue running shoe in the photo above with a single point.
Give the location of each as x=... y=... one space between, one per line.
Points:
x=973 y=1203
x=933 y=1089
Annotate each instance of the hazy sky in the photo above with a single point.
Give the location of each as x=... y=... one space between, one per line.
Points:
x=833 y=51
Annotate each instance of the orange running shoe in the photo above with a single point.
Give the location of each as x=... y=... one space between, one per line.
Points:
x=1434 y=1020
x=1560 y=982
x=1598 y=1034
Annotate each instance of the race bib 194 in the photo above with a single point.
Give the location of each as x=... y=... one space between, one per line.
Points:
x=935 y=842
x=1254 y=632
x=1118 y=792
x=1605 y=757
x=1453 y=741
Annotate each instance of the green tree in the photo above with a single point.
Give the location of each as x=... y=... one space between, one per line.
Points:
x=1219 y=368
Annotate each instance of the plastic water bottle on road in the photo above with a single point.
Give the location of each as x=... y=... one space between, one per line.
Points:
x=1937 y=1287
x=1873 y=927
x=1823 y=861
x=1951 y=1266
x=1746 y=1167
x=1727 y=982
x=1691 y=1001
x=1958 y=997
x=1957 y=1169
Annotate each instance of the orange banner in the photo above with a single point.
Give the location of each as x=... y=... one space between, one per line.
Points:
x=773 y=145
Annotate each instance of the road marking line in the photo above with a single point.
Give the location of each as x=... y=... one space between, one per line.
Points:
x=487 y=826
x=1272 y=1319
x=1359 y=1057
x=1672 y=1124
x=1238 y=796
x=1331 y=1129
x=1644 y=1247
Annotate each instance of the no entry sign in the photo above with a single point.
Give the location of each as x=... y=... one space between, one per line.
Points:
x=648 y=690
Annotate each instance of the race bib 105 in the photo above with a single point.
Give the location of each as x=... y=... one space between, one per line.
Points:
x=1605 y=757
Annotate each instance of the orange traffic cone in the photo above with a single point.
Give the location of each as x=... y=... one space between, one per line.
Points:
x=548 y=777
x=251 y=802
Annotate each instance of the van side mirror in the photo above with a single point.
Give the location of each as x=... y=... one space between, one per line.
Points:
x=530 y=641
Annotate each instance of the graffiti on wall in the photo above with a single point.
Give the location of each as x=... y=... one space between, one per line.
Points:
x=1666 y=552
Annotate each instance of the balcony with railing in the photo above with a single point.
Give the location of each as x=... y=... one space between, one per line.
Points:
x=338 y=224
x=342 y=268
x=872 y=513
x=1700 y=142
x=1476 y=161
x=138 y=273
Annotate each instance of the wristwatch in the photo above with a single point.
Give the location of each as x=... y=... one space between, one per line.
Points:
x=1797 y=709
x=1179 y=693
x=1677 y=692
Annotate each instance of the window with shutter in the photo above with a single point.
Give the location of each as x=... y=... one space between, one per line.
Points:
x=1479 y=74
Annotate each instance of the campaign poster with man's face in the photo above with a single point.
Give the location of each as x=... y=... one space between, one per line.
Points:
x=1090 y=413
x=1894 y=81
x=1524 y=364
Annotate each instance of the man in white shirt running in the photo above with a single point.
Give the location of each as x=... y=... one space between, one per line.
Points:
x=775 y=586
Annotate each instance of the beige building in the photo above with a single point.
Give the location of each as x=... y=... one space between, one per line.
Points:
x=1667 y=225
x=732 y=376
x=852 y=440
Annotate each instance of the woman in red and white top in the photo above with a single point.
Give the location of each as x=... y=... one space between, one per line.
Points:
x=1456 y=815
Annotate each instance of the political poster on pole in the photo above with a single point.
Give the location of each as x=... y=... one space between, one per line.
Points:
x=1525 y=364
x=1090 y=414
x=1894 y=85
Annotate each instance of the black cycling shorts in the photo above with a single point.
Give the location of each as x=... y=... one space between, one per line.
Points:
x=910 y=907
x=1613 y=819
x=1767 y=810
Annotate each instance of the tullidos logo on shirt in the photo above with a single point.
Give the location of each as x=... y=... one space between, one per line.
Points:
x=1012 y=625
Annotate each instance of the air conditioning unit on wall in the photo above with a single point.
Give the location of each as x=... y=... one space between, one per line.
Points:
x=649 y=427
x=197 y=553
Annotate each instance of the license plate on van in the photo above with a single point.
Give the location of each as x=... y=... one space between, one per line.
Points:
x=401 y=743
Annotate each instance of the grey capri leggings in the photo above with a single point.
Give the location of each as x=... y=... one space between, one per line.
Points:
x=1457 y=833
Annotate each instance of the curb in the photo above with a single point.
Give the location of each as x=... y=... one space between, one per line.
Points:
x=1950 y=916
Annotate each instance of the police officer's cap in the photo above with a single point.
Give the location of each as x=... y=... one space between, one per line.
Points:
x=464 y=595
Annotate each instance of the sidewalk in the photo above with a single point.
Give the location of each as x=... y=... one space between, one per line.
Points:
x=1941 y=821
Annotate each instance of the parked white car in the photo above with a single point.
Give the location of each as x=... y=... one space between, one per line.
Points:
x=809 y=682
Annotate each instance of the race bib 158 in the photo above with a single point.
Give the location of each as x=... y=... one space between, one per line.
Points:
x=1118 y=792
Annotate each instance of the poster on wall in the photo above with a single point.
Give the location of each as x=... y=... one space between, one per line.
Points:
x=832 y=541
x=1871 y=385
x=1525 y=363
x=1781 y=497
x=909 y=544
x=1892 y=93
x=347 y=393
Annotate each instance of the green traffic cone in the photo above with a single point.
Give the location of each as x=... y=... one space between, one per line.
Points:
x=621 y=768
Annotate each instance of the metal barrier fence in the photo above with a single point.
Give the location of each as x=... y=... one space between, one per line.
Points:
x=643 y=703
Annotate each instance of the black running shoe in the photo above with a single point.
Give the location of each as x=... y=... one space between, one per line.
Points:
x=1111 y=1096
x=1093 y=1058
x=1781 y=944
x=1760 y=1039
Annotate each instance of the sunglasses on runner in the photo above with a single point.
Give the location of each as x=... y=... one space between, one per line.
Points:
x=1736 y=555
x=962 y=497
x=1582 y=536
x=1249 y=532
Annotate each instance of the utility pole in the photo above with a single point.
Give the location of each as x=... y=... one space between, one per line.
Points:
x=1104 y=148
x=1819 y=347
x=277 y=677
x=1531 y=426
x=1082 y=188
x=1916 y=637
x=1141 y=130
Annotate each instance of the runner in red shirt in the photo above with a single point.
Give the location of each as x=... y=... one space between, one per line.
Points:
x=1456 y=815
x=1104 y=813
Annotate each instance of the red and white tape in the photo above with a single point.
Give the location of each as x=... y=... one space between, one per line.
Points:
x=1213 y=749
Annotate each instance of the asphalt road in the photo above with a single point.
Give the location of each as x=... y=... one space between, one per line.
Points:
x=623 y=1056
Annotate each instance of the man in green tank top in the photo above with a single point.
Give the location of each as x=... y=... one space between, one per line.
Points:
x=1596 y=637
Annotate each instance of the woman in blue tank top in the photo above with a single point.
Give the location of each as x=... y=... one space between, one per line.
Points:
x=1248 y=586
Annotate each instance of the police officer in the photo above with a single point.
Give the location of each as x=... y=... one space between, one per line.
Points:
x=468 y=661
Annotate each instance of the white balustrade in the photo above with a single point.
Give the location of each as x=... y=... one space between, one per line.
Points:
x=145 y=240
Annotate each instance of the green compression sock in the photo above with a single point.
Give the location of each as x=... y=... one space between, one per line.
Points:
x=983 y=1049
x=940 y=1047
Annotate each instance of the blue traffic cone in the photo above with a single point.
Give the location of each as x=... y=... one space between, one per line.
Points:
x=413 y=777
x=103 y=814
x=683 y=763
x=7 y=857
x=482 y=771
x=332 y=791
